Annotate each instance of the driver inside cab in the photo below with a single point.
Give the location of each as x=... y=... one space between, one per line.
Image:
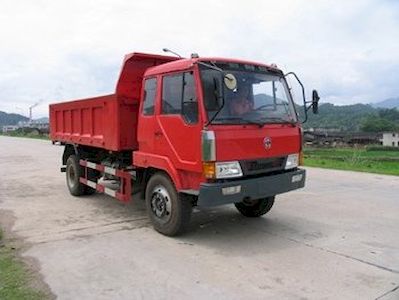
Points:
x=241 y=102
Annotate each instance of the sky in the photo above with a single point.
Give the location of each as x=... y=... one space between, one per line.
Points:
x=53 y=51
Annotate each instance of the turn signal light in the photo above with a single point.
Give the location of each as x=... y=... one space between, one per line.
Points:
x=209 y=169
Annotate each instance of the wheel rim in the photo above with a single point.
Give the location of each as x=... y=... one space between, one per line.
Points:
x=71 y=176
x=161 y=204
x=250 y=203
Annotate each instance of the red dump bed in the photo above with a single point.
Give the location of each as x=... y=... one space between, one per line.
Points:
x=108 y=122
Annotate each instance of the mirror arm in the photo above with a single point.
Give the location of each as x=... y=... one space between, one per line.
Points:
x=306 y=108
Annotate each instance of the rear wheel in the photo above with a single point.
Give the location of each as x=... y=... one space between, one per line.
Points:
x=169 y=213
x=255 y=208
x=73 y=172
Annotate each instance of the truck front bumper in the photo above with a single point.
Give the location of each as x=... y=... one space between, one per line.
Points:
x=212 y=194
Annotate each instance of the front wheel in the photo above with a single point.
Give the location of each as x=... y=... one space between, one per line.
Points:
x=169 y=213
x=255 y=208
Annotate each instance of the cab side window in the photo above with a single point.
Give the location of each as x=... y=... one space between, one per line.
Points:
x=178 y=96
x=150 y=88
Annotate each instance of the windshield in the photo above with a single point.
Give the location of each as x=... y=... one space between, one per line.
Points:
x=259 y=96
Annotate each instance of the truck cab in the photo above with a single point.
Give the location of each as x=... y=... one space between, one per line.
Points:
x=225 y=131
x=208 y=131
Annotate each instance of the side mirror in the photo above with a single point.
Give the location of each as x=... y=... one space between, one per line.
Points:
x=230 y=81
x=315 y=101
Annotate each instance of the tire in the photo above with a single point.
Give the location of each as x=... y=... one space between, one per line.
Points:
x=169 y=213
x=255 y=208
x=73 y=172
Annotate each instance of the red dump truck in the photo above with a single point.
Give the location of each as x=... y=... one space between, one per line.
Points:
x=185 y=132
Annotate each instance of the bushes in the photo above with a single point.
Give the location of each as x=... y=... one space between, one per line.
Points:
x=382 y=148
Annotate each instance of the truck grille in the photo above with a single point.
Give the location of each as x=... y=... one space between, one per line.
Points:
x=265 y=165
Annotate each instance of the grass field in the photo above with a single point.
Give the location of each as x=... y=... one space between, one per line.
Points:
x=14 y=276
x=363 y=160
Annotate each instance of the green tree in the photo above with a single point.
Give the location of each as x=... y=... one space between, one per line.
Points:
x=377 y=124
x=389 y=114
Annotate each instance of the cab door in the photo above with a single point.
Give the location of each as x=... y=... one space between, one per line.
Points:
x=147 y=119
x=178 y=127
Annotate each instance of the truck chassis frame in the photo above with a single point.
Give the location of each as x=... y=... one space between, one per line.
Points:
x=125 y=188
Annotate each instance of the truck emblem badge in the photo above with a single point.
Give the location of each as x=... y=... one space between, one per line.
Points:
x=267 y=142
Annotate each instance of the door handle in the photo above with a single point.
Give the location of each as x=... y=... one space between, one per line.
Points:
x=158 y=133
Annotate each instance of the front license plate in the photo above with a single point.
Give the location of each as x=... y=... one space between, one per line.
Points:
x=296 y=178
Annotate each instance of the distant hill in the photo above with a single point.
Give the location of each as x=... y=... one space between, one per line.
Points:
x=42 y=120
x=388 y=103
x=345 y=118
x=11 y=119
x=353 y=118
x=357 y=117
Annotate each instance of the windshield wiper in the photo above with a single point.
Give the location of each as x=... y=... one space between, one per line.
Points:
x=242 y=121
x=213 y=66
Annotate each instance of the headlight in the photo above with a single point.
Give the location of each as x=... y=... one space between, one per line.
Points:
x=218 y=170
x=292 y=161
x=228 y=169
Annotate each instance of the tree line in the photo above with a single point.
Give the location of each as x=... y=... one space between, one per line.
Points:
x=355 y=118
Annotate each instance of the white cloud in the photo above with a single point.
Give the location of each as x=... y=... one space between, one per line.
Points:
x=56 y=50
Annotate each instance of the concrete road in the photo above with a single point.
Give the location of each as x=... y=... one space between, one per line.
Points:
x=336 y=239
